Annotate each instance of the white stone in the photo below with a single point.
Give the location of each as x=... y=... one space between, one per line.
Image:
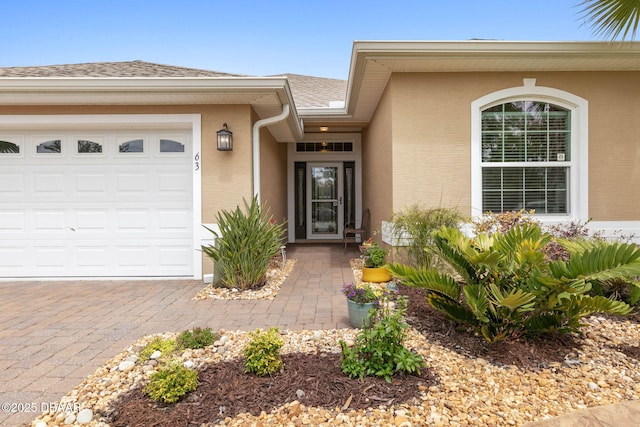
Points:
x=317 y=336
x=41 y=424
x=155 y=354
x=126 y=366
x=300 y=394
x=188 y=364
x=133 y=358
x=85 y=416
x=224 y=339
x=594 y=386
x=71 y=418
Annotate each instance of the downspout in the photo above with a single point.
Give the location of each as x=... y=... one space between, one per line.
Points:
x=256 y=145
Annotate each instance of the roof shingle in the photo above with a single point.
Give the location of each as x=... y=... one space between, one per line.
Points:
x=110 y=69
x=308 y=91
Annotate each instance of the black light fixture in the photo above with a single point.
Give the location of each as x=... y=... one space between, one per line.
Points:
x=225 y=139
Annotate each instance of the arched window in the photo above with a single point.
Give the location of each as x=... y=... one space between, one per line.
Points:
x=529 y=151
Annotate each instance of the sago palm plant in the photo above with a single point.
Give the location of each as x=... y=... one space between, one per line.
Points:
x=503 y=287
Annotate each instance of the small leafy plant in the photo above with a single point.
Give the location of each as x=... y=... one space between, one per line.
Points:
x=416 y=224
x=164 y=346
x=170 y=383
x=379 y=349
x=374 y=256
x=197 y=338
x=262 y=353
x=362 y=293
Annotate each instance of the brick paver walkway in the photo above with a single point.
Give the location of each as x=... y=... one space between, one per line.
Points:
x=54 y=334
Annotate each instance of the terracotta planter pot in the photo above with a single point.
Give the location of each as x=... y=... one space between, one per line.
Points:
x=359 y=313
x=375 y=275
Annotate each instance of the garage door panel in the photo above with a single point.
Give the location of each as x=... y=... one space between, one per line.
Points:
x=12 y=257
x=174 y=256
x=91 y=220
x=173 y=182
x=12 y=221
x=11 y=183
x=174 y=220
x=50 y=256
x=94 y=183
x=132 y=220
x=49 y=184
x=49 y=220
x=96 y=214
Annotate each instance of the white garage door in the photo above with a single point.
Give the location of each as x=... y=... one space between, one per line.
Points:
x=96 y=204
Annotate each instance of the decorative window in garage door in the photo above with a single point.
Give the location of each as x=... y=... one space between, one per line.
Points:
x=86 y=146
x=8 y=147
x=51 y=146
x=171 y=146
x=132 y=146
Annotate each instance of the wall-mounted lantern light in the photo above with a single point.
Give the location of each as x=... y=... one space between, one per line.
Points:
x=225 y=139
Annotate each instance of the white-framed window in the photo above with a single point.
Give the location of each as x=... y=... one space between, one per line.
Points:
x=529 y=151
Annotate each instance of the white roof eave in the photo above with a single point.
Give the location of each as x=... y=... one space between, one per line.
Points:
x=146 y=90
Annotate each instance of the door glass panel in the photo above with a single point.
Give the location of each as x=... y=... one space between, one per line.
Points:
x=324 y=200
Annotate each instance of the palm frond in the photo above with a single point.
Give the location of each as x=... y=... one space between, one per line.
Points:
x=612 y=18
x=477 y=300
x=429 y=279
x=601 y=263
x=516 y=299
x=452 y=311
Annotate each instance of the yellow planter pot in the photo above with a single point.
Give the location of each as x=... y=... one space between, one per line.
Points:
x=375 y=275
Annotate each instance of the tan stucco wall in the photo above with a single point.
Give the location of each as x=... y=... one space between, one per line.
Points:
x=378 y=165
x=432 y=131
x=273 y=175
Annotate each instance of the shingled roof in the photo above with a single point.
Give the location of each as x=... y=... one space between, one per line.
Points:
x=317 y=92
x=111 y=69
x=308 y=91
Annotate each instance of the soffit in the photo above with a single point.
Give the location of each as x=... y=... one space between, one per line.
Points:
x=265 y=95
x=373 y=63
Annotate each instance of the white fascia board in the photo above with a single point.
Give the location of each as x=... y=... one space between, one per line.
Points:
x=323 y=112
x=146 y=83
x=489 y=47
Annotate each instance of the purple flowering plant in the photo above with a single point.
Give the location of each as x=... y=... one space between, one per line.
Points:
x=362 y=294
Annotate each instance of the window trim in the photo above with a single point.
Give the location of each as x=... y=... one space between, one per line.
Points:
x=579 y=164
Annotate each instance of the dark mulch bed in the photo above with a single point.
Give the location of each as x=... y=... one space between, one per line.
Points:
x=224 y=390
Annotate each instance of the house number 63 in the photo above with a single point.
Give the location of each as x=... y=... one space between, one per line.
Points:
x=196 y=161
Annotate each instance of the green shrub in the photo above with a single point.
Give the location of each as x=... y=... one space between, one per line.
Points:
x=165 y=346
x=169 y=384
x=262 y=353
x=379 y=348
x=247 y=243
x=502 y=222
x=508 y=289
x=418 y=224
x=197 y=338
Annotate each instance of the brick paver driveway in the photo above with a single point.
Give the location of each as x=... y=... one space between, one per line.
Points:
x=53 y=334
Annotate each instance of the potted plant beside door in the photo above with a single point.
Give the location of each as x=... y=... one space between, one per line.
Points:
x=374 y=260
